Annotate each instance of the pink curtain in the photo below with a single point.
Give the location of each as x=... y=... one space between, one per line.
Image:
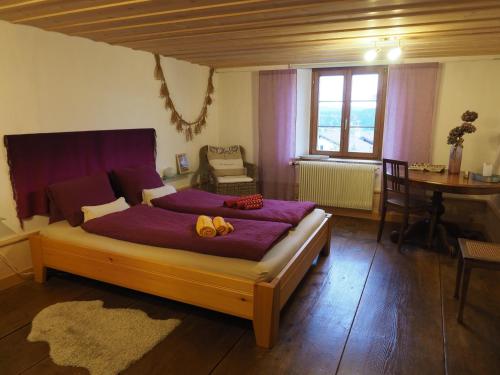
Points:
x=411 y=95
x=277 y=114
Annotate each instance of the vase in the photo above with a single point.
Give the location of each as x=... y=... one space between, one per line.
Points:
x=455 y=159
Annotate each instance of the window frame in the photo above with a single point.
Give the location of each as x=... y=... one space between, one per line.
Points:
x=347 y=73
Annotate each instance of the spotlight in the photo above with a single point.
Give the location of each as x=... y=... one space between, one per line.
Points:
x=371 y=54
x=394 y=53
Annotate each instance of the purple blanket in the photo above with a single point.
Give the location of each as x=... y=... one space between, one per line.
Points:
x=163 y=228
x=203 y=203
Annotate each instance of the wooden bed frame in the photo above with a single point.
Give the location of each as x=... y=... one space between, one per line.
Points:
x=260 y=302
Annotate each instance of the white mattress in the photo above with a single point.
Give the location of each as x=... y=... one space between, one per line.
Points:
x=264 y=270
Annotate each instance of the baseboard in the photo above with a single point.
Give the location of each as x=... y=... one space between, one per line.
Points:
x=489 y=224
x=349 y=212
x=12 y=280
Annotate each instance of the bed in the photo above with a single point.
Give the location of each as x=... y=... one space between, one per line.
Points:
x=252 y=290
x=70 y=168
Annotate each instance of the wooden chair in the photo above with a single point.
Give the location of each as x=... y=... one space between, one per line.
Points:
x=473 y=254
x=396 y=195
x=210 y=182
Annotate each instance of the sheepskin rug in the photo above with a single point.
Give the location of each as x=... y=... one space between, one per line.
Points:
x=104 y=341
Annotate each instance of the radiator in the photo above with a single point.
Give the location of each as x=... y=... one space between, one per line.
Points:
x=333 y=184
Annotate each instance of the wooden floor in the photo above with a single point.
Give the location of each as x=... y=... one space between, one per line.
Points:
x=366 y=309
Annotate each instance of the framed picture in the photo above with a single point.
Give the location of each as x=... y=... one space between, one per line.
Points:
x=182 y=163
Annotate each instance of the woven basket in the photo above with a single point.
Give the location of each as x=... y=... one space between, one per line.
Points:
x=237 y=188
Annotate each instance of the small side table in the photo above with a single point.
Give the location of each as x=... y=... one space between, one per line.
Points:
x=473 y=254
x=177 y=177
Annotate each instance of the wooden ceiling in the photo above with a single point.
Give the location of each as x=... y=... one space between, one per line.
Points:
x=271 y=32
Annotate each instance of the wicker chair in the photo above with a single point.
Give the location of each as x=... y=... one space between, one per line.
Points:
x=210 y=182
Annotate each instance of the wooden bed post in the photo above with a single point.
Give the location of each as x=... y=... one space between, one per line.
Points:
x=39 y=269
x=266 y=313
x=326 y=249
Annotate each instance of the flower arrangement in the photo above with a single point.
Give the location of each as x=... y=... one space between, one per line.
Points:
x=456 y=135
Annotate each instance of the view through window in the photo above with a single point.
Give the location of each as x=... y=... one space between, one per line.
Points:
x=347 y=111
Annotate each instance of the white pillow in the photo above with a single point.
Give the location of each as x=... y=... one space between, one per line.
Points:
x=93 y=212
x=149 y=194
x=226 y=163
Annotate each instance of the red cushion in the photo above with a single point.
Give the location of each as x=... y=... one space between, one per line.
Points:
x=70 y=196
x=132 y=181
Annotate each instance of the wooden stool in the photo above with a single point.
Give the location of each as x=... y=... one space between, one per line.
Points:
x=473 y=254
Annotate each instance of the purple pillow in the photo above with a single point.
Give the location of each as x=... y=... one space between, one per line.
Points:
x=132 y=181
x=70 y=196
x=55 y=214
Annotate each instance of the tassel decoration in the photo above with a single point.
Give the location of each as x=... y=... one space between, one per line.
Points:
x=210 y=87
x=169 y=104
x=158 y=73
x=174 y=117
x=164 y=90
x=181 y=125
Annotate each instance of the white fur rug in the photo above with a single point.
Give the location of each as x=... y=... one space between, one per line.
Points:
x=105 y=341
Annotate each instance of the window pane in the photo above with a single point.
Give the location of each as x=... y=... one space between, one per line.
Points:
x=363 y=114
x=330 y=114
x=361 y=139
x=331 y=88
x=328 y=138
x=364 y=87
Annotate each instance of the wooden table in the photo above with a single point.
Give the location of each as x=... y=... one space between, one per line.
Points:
x=441 y=183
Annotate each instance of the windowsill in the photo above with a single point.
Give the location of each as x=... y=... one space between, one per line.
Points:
x=355 y=161
x=345 y=160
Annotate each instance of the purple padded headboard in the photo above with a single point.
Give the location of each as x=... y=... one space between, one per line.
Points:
x=38 y=160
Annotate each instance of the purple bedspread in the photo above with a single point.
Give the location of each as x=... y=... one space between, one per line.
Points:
x=203 y=203
x=163 y=228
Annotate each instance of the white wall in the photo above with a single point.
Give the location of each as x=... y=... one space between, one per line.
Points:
x=304 y=77
x=50 y=82
x=239 y=113
x=473 y=85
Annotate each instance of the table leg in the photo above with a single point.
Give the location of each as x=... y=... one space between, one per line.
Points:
x=432 y=227
x=413 y=230
x=436 y=210
x=437 y=226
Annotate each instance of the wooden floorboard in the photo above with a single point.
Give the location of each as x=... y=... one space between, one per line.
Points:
x=474 y=347
x=316 y=321
x=366 y=309
x=195 y=347
x=398 y=327
x=17 y=354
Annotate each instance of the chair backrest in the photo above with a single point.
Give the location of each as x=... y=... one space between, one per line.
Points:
x=395 y=179
x=204 y=166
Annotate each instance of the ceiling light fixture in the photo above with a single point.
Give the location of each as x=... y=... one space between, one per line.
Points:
x=394 y=53
x=371 y=55
x=391 y=47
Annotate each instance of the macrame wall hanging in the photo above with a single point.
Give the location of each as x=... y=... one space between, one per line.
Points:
x=187 y=127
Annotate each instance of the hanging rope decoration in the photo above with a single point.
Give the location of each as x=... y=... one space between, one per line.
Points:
x=183 y=126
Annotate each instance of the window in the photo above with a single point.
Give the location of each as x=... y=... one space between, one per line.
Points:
x=347 y=112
